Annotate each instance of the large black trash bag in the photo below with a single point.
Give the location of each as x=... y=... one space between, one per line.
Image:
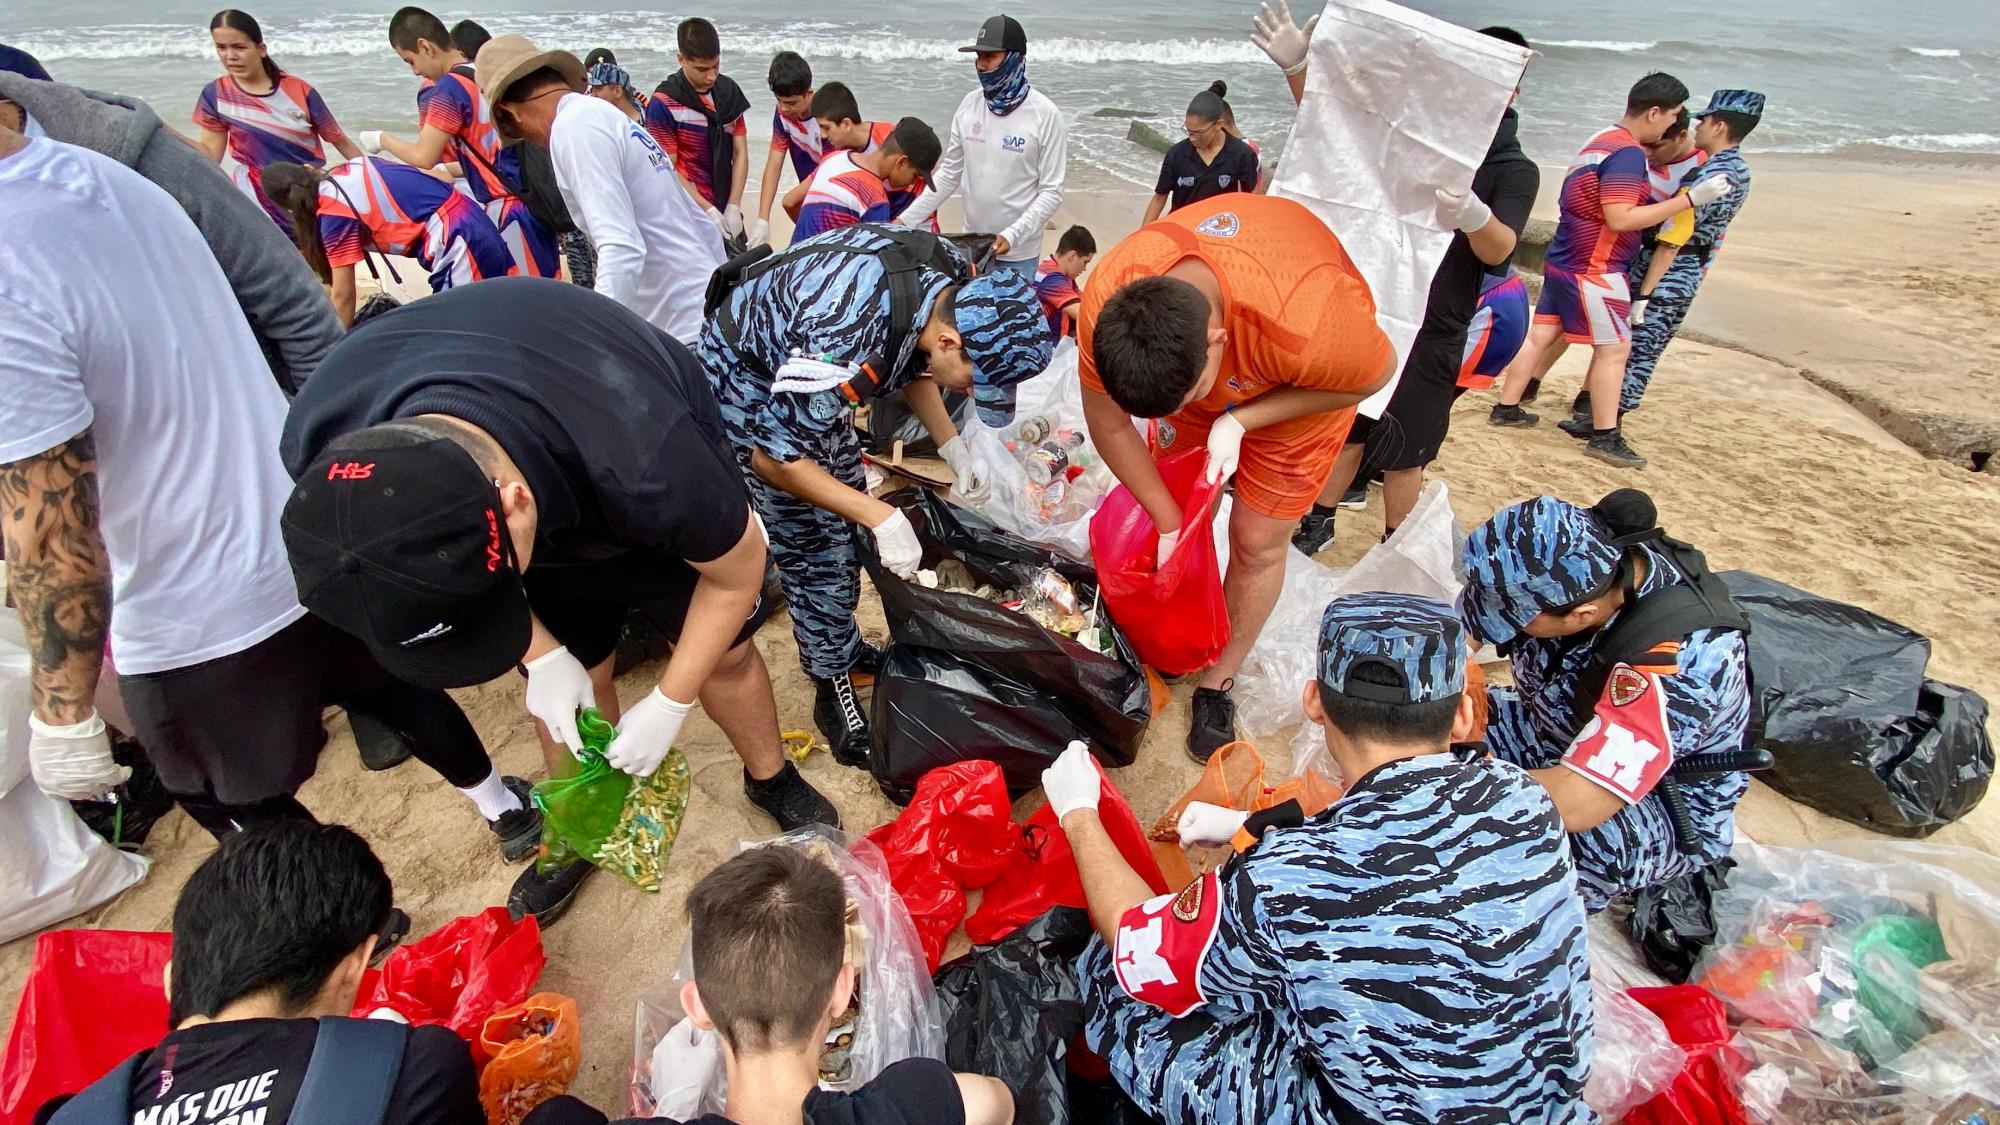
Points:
x=966 y=678
x=1840 y=700
x=1675 y=921
x=1011 y=1008
x=891 y=420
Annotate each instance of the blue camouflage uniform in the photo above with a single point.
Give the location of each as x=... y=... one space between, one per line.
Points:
x=813 y=331
x=1415 y=953
x=1667 y=305
x=1546 y=554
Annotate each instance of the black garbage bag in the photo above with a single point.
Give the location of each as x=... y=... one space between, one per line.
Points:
x=891 y=420
x=1011 y=1008
x=141 y=800
x=1840 y=699
x=1675 y=921
x=967 y=678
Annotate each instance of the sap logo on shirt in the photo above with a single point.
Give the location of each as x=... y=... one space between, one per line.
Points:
x=1222 y=225
x=1184 y=181
x=1013 y=143
x=654 y=152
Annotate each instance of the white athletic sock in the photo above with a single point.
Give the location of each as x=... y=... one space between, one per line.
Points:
x=492 y=797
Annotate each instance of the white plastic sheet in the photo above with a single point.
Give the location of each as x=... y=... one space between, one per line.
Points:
x=51 y=866
x=1397 y=104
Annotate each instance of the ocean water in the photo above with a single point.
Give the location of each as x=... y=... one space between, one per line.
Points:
x=1842 y=75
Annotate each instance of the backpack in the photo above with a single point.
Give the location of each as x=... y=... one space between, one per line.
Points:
x=538 y=188
x=348 y=1081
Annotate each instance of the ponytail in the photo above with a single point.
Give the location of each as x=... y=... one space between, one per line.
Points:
x=1208 y=105
x=238 y=20
x=294 y=188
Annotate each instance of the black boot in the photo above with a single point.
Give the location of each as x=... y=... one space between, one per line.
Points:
x=790 y=799
x=549 y=896
x=1214 y=723
x=837 y=712
x=381 y=748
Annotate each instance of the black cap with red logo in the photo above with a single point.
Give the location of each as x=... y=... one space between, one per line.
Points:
x=397 y=537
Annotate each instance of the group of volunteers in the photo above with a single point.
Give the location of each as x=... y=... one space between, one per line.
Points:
x=288 y=513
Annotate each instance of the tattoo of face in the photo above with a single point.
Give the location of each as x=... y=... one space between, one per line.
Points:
x=58 y=573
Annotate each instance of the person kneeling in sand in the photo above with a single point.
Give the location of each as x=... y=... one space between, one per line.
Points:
x=272 y=934
x=770 y=980
x=1414 y=953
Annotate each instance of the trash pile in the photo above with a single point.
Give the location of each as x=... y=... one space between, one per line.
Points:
x=609 y=818
x=1048 y=599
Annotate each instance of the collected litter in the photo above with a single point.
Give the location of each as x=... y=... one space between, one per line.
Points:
x=536 y=1047
x=609 y=818
x=1049 y=600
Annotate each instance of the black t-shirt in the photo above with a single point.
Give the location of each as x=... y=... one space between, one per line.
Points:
x=612 y=422
x=911 y=1092
x=1188 y=180
x=1507 y=182
x=227 y=1071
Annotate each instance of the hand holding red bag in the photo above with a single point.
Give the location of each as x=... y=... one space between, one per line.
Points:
x=1171 y=608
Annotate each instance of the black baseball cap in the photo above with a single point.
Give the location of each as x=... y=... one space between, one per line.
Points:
x=396 y=536
x=1001 y=33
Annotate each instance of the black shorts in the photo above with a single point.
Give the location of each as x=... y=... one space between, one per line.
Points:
x=584 y=606
x=1413 y=426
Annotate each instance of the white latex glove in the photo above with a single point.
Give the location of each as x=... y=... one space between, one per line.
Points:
x=966 y=479
x=1462 y=210
x=1225 y=448
x=1277 y=36
x=1203 y=823
x=1638 y=315
x=370 y=141
x=759 y=233
x=1707 y=191
x=559 y=687
x=646 y=733
x=687 y=1064
x=73 y=762
x=714 y=216
x=896 y=542
x=732 y=220
x=1168 y=541
x=1072 y=783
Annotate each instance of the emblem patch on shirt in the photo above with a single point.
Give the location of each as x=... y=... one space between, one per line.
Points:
x=1223 y=224
x=1187 y=904
x=1625 y=749
x=1626 y=685
x=1222 y=180
x=1165 y=434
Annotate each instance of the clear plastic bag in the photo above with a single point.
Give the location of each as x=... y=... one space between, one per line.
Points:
x=896 y=1018
x=1635 y=1058
x=1865 y=979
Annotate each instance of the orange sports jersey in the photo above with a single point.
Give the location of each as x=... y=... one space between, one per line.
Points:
x=1297 y=312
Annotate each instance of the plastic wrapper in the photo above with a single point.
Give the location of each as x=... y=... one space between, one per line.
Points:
x=458 y=974
x=957 y=834
x=1674 y=922
x=1865 y=976
x=536 y=1047
x=1704 y=1090
x=896 y=1013
x=1012 y=1008
x=1234 y=779
x=967 y=678
x=1173 y=611
x=605 y=816
x=1635 y=1058
x=1841 y=701
x=92 y=999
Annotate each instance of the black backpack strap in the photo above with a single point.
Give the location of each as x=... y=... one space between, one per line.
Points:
x=353 y=1072
x=107 y=1101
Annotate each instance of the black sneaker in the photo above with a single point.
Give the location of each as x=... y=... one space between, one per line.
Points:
x=1354 y=499
x=547 y=897
x=837 y=713
x=790 y=799
x=381 y=748
x=1511 y=416
x=1533 y=392
x=1315 y=530
x=520 y=830
x=1578 y=426
x=1214 y=724
x=1611 y=449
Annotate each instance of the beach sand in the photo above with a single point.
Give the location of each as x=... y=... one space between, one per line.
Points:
x=1751 y=461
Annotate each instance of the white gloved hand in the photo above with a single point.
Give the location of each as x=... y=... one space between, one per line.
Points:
x=1462 y=211
x=73 y=762
x=1225 y=448
x=559 y=687
x=1707 y=191
x=370 y=141
x=896 y=541
x=1203 y=823
x=646 y=733
x=714 y=216
x=759 y=234
x=966 y=479
x=1168 y=541
x=732 y=220
x=1638 y=315
x=686 y=1065
x=1072 y=782
x=1277 y=36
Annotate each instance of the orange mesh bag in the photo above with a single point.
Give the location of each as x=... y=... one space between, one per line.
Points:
x=1234 y=778
x=536 y=1047
x=1475 y=686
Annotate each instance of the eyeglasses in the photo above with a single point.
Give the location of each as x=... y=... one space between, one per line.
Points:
x=390 y=934
x=1197 y=134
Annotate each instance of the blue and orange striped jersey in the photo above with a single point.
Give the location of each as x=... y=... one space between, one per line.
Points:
x=801 y=138
x=899 y=198
x=286 y=124
x=455 y=105
x=1058 y=292
x=683 y=132
x=840 y=194
x=1611 y=168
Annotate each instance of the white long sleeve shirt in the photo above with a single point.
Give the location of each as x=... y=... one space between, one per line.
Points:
x=1009 y=169
x=655 y=247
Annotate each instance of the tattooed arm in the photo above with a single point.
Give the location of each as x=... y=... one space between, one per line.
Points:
x=58 y=573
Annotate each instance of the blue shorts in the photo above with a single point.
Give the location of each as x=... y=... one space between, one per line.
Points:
x=1591 y=307
x=1499 y=327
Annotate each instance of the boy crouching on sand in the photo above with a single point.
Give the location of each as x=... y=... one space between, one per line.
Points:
x=771 y=983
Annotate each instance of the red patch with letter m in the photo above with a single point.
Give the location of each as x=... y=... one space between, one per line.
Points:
x=1162 y=943
x=1625 y=749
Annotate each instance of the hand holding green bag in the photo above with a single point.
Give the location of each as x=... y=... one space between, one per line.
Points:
x=609 y=818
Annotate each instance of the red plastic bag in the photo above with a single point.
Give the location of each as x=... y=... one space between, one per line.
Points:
x=957 y=832
x=1048 y=878
x=1175 y=615
x=1704 y=1093
x=92 y=999
x=459 y=974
